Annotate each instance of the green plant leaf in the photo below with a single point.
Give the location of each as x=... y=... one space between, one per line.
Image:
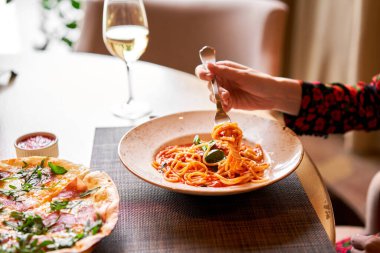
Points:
x=67 y=41
x=58 y=205
x=75 y=4
x=72 y=25
x=56 y=169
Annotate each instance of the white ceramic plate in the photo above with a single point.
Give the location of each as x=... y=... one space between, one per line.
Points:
x=138 y=147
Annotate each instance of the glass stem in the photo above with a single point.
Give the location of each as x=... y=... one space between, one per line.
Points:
x=129 y=84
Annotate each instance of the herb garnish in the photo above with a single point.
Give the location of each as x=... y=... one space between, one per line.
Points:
x=42 y=163
x=86 y=193
x=58 y=205
x=196 y=140
x=8 y=179
x=25 y=164
x=27 y=224
x=214 y=156
x=25 y=244
x=56 y=169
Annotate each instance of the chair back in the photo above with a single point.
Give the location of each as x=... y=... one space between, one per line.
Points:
x=372 y=219
x=250 y=32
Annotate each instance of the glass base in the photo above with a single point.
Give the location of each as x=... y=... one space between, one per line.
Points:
x=132 y=110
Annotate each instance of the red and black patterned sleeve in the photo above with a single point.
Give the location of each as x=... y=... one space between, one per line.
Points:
x=337 y=108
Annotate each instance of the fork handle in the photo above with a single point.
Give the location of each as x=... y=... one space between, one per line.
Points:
x=215 y=91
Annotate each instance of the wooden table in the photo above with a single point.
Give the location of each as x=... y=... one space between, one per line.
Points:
x=71 y=94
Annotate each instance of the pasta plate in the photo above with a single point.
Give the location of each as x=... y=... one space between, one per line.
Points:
x=138 y=147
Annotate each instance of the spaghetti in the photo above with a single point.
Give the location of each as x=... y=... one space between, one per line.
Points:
x=223 y=161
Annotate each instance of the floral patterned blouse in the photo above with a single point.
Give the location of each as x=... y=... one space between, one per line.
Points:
x=337 y=108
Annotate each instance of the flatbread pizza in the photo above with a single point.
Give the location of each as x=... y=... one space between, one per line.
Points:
x=52 y=205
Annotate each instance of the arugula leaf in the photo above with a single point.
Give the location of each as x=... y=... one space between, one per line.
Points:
x=67 y=41
x=56 y=169
x=25 y=164
x=58 y=205
x=25 y=244
x=96 y=227
x=86 y=193
x=28 y=224
x=9 y=193
x=26 y=187
x=93 y=228
x=12 y=187
x=33 y=225
x=42 y=163
x=31 y=174
x=45 y=243
x=72 y=25
x=39 y=174
x=17 y=215
x=75 y=4
x=8 y=179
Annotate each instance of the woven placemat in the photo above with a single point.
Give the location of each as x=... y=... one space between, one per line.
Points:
x=278 y=218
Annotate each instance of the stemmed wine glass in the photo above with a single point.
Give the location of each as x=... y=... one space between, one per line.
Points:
x=125 y=34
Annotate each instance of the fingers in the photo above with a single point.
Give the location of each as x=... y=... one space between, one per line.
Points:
x=225 y=98
x=203 y=74
x=368 y=244
x=356 y=251
x=226 y=72
x=232 y=64
x=359 y=241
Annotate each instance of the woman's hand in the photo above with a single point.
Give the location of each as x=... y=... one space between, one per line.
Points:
x=365 y=244
x=244 y=88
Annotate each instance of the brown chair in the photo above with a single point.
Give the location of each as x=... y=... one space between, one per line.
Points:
x=372 y=219
x=250 y=32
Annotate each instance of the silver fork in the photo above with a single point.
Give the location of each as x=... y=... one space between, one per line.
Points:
x=207 y=54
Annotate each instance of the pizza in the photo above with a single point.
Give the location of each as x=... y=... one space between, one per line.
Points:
x=52 y=205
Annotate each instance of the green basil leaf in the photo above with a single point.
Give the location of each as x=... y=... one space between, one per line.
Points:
x=56 y=169
x=12 y=187
x=214 y=156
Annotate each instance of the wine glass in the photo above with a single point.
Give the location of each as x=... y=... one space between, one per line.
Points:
x=125 y=34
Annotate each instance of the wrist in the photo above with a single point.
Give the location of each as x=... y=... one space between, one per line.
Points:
x=288 y=96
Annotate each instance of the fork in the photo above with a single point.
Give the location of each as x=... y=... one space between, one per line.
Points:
x=207 y=54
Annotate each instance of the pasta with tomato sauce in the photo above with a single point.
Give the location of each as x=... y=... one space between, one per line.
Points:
x=223 y=161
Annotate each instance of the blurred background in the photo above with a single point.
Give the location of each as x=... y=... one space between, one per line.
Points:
x=313 y=40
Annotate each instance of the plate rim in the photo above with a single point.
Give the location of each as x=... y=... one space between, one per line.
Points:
x=221 y=191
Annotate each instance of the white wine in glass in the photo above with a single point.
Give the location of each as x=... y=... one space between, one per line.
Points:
x=126 y=34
